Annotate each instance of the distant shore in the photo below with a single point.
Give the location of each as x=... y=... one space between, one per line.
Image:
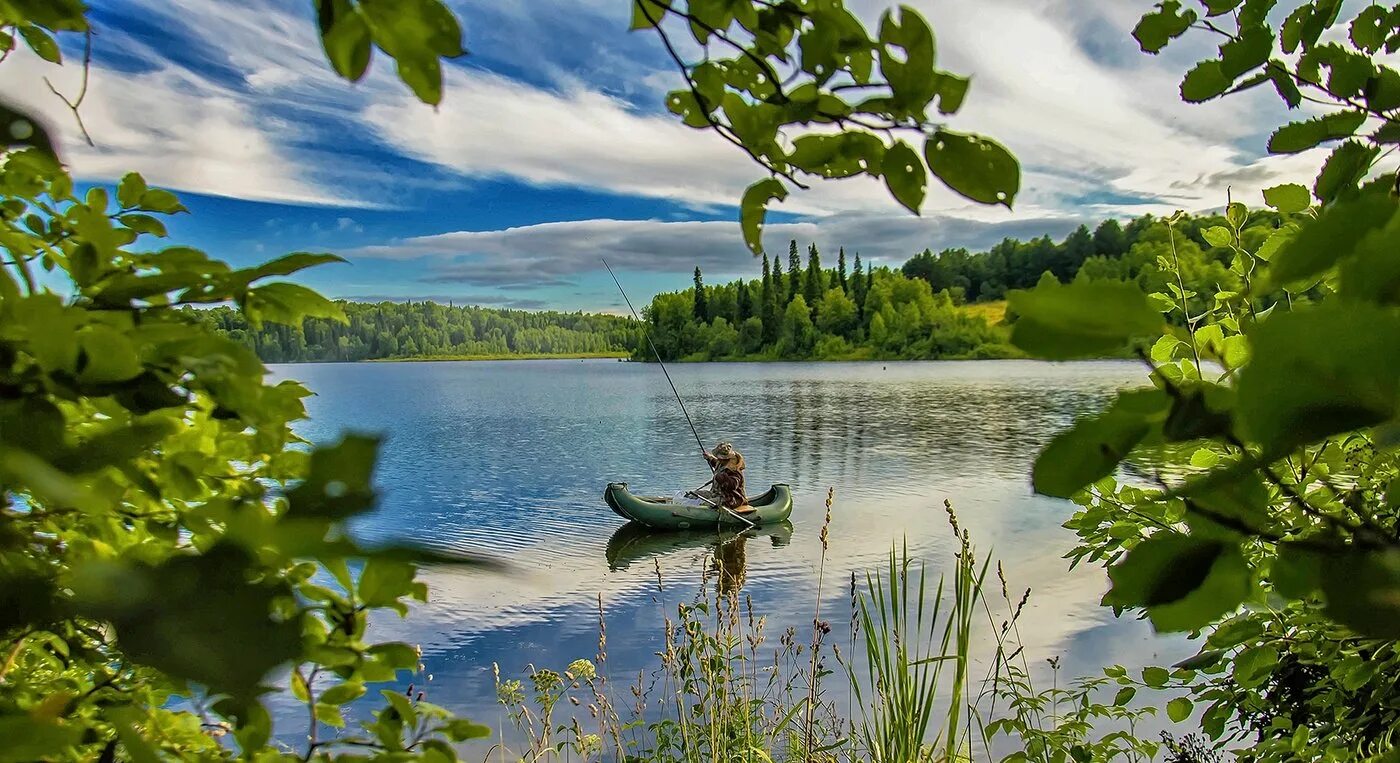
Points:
x=501 y=356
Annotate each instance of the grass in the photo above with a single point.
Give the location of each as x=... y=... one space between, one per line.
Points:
x=991 y=312
x=723 y=691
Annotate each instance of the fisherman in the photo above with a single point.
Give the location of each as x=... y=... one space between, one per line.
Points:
x=728 y=466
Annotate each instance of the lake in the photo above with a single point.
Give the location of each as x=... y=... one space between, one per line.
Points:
x=510 y=459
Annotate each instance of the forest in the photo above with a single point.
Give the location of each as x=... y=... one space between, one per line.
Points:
x=809 y=312
x=846 y=312
x=428 y=330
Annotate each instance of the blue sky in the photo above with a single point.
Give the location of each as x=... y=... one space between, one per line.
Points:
x=551 y=148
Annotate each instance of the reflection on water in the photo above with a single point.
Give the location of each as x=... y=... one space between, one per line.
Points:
x=511 y=458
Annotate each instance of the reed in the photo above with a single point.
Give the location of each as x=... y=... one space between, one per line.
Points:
x=722 y=691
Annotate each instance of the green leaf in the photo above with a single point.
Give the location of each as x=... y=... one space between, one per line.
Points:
x=1363 y=590
x=1319 y=372
x=1095 y=445
x=345 y=37
x=338 y=483
x=193 y=617
x=1344 y=170
x=1197 y=412
x=1218 y=235
x=161 y=200
x=342 y=693
x=906 y=57
x=1372 y=271
x=1301 y=136
x=1163 y=25
x=42 y=43
x=684 y=104
x=24 y=739
x=383 y=582
x=647 y=14
x=1204 y=82
x=1296 y=572
x=143 y=224
x=401 y=705
x=288 y=304
x=1183 y=582
x=1179 y=709
x=107 y=355
x=1243 y=499
x=1284 y=85
x=1335 y=235
x=978 y=168
x=423 y=75
x=1369 y=28
x=1218 y=7
x=754 y=208
x=461 y=729
x=18 y=129
x=1289 y=198
x=1124 y=696
x=1247 y=51
x=292 y=263
x=1081 y=319
x=952 y=90
x=130 y=190
x=905 y=176
x=1155 y=677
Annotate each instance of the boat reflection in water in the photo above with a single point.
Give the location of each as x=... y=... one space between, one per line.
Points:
x=634 y=543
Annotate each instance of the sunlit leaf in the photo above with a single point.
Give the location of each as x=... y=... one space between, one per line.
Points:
x=1288 y=198
x=1183 y=582
x=1344 y=170
x=1348 y=377
x=1301 y=136
x=1081 y=319
x=1095 y=445
x=754 y=209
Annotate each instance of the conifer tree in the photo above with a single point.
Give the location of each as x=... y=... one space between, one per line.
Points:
x=858 y=290
x=841 y=270
x=794 y=272
x=743 y=301
x=702 y=307
x=768 y=310
x=815 y=286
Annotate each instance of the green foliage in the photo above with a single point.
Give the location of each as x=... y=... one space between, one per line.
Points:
x=172 y=550
x=417 y=34
x=389 y=330
x=1081 y=319
x=796 y=69
x=912 y=321
x=1282 y=390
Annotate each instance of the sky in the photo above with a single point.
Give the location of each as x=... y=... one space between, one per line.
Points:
x=552 y=148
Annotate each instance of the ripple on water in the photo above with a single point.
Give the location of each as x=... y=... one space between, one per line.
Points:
x=510 y=459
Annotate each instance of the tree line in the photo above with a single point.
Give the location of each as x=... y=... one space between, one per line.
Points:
x=426 y=330
x=808 y=311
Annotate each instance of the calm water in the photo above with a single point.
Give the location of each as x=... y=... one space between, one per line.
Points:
x=510 y=458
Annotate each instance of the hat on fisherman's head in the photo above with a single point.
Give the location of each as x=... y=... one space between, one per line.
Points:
x=726 y=453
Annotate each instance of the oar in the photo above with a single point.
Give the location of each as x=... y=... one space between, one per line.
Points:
x=726 y=510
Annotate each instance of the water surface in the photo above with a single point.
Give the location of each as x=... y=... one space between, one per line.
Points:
x=511 y=457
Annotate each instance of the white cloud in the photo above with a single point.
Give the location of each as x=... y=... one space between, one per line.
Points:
x=249 y=106
x=179 y=127
x=553 y=254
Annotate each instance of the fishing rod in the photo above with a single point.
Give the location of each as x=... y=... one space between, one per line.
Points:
x=657 y=353
x=675 y=392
